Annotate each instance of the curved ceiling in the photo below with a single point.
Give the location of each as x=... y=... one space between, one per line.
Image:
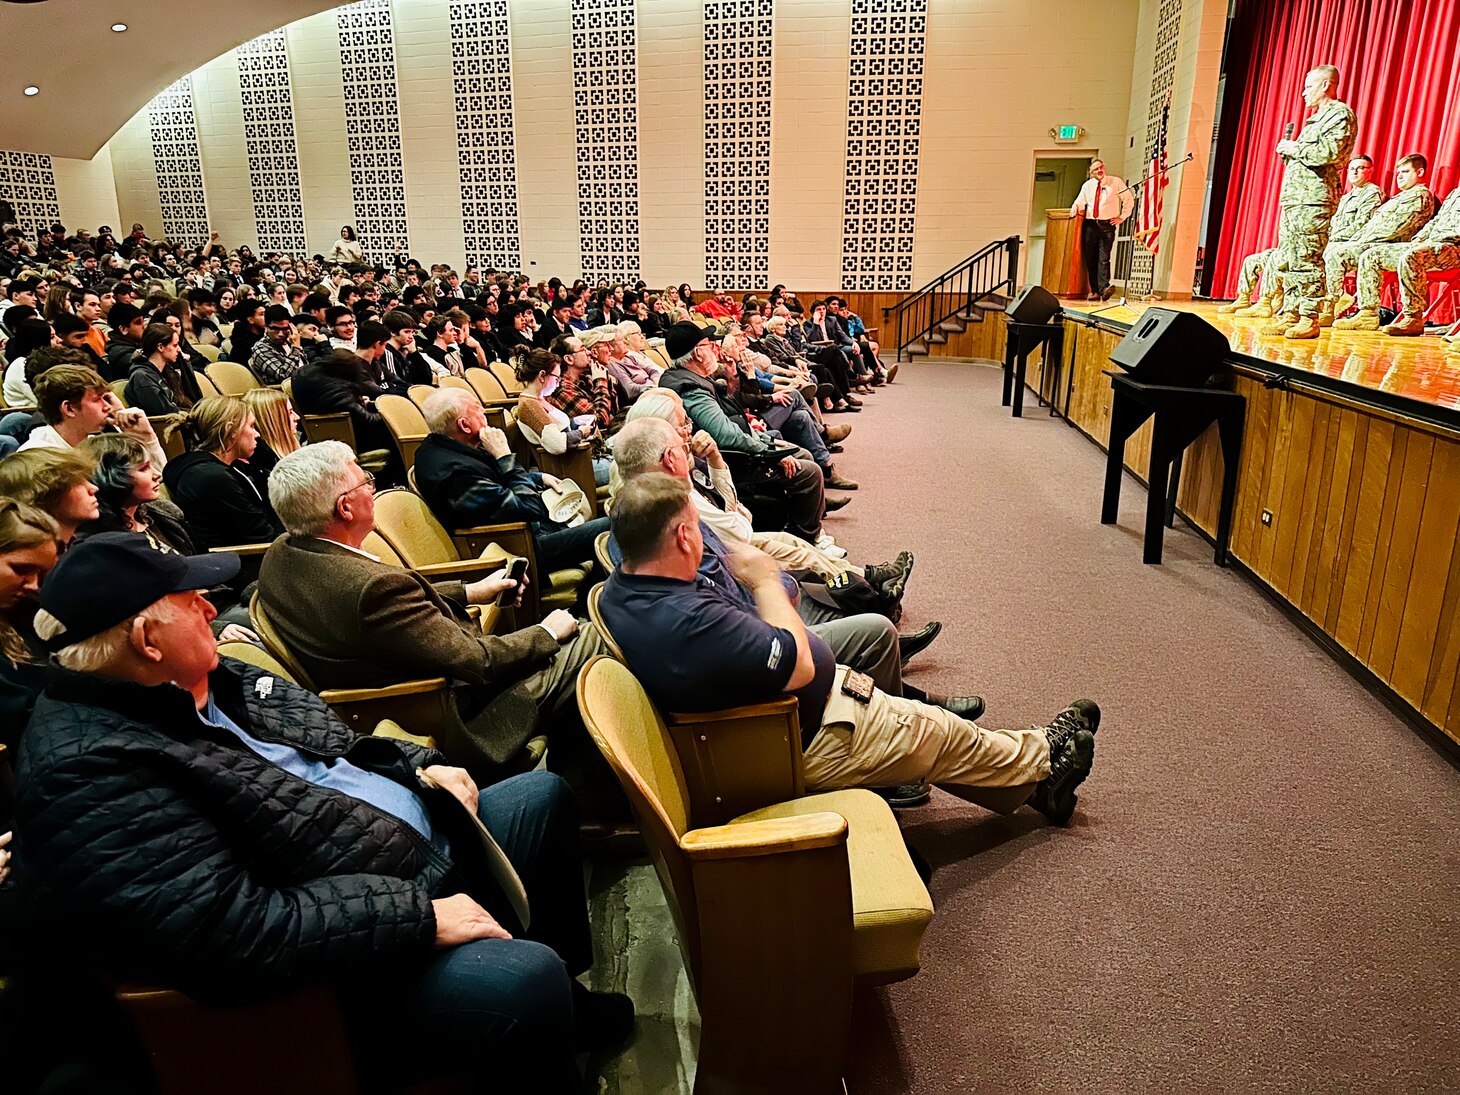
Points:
x=93 y=79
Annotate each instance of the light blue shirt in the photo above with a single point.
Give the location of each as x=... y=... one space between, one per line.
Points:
x=337 y=774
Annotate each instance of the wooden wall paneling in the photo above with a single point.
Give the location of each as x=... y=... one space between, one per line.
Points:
x=1357 y=561
x=1383 y=542
x=1315 y=486
x=1328 y=520
x=1275 y=475
x=1245 y=543
x=1421 y=646
x=1352 y=506
x=1289 y=512
x=1399 y=575
x=1442 y=686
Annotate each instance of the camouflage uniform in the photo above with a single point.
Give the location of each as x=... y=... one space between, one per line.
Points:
x=1262 y=269
x=1312 y=182
x=1395 y=222
x=1435 y=247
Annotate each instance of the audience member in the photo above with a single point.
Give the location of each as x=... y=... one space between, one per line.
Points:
x=275 y=417
x=30 y=335
x=57 y=481
x=28 y=547
x=696 y=647
x=277 y=356
x=207 y=826
x=76 y=403
x=541 y=422
x=466 y=472
x=353 y=621
x=224 y=497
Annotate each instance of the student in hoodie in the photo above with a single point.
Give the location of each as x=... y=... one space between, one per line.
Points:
x=221 y=493
x=342 y=382
x=149 y=386
x=127 y=324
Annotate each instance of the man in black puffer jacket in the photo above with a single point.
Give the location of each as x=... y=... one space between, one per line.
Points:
x=213 y=828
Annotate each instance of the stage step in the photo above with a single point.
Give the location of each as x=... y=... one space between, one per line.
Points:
x=916 y=349
x=937 y=338
x=955 y=325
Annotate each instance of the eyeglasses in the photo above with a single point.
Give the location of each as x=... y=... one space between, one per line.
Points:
x=369 y=482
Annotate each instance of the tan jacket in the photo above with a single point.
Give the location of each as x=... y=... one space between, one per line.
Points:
x=356 y=623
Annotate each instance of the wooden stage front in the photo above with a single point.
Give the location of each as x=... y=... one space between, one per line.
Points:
x=1348 y=495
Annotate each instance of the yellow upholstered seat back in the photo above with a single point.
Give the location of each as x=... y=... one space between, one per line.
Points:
x=632 y=738
x=231 y=378
x=256 y=655
x=407 y=525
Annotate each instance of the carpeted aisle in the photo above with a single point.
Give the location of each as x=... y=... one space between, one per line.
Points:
x=1261 y=889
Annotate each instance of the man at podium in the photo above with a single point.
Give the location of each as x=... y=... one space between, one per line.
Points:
x=1104 y=201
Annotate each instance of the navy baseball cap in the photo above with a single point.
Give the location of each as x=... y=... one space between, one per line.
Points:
x=110 y=577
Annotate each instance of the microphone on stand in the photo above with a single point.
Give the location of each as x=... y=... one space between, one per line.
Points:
x=1287 y=134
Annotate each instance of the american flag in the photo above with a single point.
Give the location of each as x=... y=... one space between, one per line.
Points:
x=1148 y=229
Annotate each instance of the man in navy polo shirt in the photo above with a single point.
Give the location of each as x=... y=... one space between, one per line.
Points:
x=696 y=647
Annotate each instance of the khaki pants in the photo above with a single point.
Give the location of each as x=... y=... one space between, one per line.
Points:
x=558 y=683
x=891 y=741
x=794 y=553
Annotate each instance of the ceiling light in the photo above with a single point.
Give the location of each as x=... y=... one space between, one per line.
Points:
x=32 y=90
x=119 y=27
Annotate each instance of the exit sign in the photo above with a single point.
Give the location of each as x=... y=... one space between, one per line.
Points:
x=1068 y=133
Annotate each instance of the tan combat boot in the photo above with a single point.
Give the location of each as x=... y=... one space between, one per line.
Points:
x=1304 y=327
x=1365 y=319
x=1261 y=310
x=1233 y=308
x=1325 y=313
x=1408 y=323
x=1280 y=323
x=1342 y=305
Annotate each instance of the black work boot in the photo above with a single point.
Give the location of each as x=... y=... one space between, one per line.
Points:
x=1055 y=796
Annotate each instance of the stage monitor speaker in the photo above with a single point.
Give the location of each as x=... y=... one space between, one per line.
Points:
x=1035 y=304
x=1178 y=349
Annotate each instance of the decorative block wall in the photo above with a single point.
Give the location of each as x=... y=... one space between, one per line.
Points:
x=175 y=153
x=273 y=152
x=884 y=130
x=28 y=182
x=738 y=73
x=481 y=79
x=372 y=121
x=606 y=124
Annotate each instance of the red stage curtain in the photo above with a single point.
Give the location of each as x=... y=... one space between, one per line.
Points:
x=1399 y=69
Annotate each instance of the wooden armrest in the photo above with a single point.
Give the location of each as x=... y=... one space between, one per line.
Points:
x=771 y=836
x=465 y=569
x=332 y=416
x=739 y=759
x=385 y=692
x=244 y=549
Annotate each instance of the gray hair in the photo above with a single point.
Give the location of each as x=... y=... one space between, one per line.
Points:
x=305 y=486
x=1328 y=72
x=641 y=444
x=442 y=408
x=105 y=648
x=629 y=327
x=776 y=321
x=654 y=403
x=683 y=360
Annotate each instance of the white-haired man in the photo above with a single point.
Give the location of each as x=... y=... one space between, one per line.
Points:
x=353 y=621
x=208 y=826
x=468 y=475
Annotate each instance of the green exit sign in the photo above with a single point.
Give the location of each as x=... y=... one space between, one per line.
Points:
x=1069 y=133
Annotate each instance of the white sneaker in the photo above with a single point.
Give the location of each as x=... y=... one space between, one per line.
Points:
x=827 y=546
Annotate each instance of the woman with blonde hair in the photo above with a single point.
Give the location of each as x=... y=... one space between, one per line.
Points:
x=225 y=498
x=28 y=550
x=57 y=481
x=277 y=421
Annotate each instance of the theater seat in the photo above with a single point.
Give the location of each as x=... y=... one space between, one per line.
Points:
x=780 y=909
x=231 y=378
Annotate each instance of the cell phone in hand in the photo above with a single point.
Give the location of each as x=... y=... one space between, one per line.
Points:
x=516 y=572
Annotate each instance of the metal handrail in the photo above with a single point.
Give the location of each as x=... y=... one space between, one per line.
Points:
x=961 y=288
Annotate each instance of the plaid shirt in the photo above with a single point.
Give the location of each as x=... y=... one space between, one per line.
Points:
x=275 y=364
x=576 y=397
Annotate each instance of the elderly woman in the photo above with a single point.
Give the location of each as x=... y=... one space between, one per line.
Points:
x=629 y=365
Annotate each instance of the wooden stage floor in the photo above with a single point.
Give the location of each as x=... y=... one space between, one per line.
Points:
x=1417 y=368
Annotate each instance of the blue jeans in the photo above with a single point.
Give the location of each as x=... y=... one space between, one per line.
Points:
x=566 y=547
x=498 y=1012
x=601 y=466
x=17 y=424
x=795 y=423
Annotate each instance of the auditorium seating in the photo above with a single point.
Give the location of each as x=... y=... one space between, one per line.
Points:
x=782 y=908
x=407 y=426
x=231 y=378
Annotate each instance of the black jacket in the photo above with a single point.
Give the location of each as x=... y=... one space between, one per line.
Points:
x=466 y=486
x=20 y=683
x=148 y=390
x=170 y=852
x=548 y=332
x=224 y=504
x=119 y=355
x=328 y=386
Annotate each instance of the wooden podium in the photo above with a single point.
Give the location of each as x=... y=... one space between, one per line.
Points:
x=1064 y=268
